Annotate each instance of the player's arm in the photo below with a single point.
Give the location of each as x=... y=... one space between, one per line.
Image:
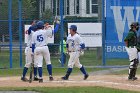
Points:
x=67 y=46
x=57 y=25
x=56 y=28
x=29 y=30
x=33 y=47
x=33 y=44
x=128 y=37
x=81 y=43
x=82 y=46
x=50 y=32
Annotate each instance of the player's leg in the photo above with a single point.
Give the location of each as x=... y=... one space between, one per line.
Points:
x=132 y=69
x=82 y=69
x=31 y=60
x=38 y=59
x=46 y=55
x=71 y=63
x=132 y=52
x=35 y=71
x=27 y=64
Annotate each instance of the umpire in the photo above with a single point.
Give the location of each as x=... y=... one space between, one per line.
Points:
x=131 y=48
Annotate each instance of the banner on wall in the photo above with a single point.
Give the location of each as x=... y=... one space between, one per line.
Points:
x=91 y=33
x=119 y=15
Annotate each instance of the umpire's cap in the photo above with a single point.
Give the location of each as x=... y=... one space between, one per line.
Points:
x=73 y=27
x=40 y=24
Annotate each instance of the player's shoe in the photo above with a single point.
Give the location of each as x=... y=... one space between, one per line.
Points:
x=64 y=78
x=40 y=80
x=86 y=76
x=35 y=78
x=51 y=78
x=133 y=78
x=24 y=79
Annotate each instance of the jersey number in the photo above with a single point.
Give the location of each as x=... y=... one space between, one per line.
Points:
x=39 y=38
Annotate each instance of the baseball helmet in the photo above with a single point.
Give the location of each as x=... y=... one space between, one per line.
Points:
x=135 y=25
x=40 y=24
x=73 y=27
x=34 y=27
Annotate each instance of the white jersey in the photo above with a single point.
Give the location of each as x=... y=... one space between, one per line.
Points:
x=40 y=37
x=29 y=43
x=74 y=42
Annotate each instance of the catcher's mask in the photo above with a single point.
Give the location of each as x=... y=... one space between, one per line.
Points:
x=135 y=25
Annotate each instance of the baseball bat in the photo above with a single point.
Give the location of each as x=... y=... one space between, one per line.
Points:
x=31 y=70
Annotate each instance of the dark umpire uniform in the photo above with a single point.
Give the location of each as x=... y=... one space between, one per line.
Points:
x=131 y=48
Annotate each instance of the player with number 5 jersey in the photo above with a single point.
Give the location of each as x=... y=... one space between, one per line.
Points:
x=40 y=48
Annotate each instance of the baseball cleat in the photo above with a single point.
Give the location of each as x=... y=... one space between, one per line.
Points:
x=35 y=78
x=64 y=78
x=51 y=78
x=40 y=80
x=133 y=78
x=24 y=79
x=86 y=76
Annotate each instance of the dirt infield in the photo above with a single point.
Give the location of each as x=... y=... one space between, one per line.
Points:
x=113 y=81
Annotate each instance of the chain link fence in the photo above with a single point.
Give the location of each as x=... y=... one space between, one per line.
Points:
x=15 y=14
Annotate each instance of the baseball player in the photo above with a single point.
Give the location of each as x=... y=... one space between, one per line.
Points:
x=74 y=46
x=131 y=43
x=138 y=45
x=40 y=48
x=28 y=52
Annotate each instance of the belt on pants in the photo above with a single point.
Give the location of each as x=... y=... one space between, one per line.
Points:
x=28 y=46
x=40 y=46
x=74 y=51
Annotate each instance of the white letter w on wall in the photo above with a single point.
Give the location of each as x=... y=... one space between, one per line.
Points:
x=121 y=16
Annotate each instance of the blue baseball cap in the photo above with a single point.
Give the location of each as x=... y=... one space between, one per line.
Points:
x=40 y=24
x=73 y=27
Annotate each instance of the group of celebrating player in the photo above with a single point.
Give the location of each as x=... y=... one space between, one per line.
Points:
x=37 y=49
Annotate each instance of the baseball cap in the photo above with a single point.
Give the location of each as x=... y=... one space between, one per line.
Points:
x=40 y=24
x=73 y=27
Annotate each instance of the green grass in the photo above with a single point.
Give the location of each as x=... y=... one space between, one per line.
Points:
x=56 y=71
x=70 y=90
x=88 y=59
x=125 y=72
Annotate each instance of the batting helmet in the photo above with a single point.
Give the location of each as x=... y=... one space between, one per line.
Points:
x=40 y=24
x=135 y=25
x=73 y=27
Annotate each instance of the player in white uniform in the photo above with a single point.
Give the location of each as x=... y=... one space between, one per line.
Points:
x=74 y=46
x=28 y=52
x=40 y=48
